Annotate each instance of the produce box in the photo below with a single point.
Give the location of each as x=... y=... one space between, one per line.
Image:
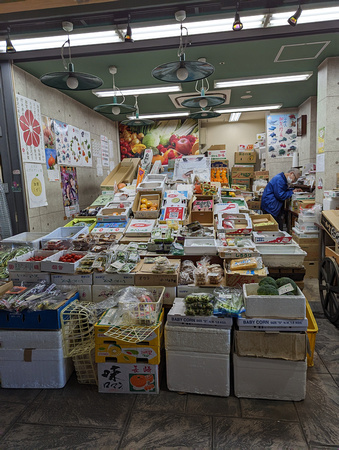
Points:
x=70 y=279
x=27 y=238
x=116 y=228
x=280 y=345
x=195 y=246
x=48 y=319
x=234 y=224
x=53 y=263
x=227 y=207
x=110 y=213
x=312 y=269
x=262 y=175
x=254 y=204
x=102 y=292
x=198 y=209
x=151 y=200
x=306 y=227
x=242 y=172
x=245 y=157
x=271 y=237
x=109 y=351
x=175 y=198
x=277 y=255
x=259 y=222
x=64 y=234
x=103 y=199
x=267 y=324
x=330 y=221
x=124 y=172
x=6 y=286
x=89 y=222
x=298 y=205
x=128 y=378
x=145 y=277
x=29 y=277
x=22 y=263
x=275 y=306
x=244 y=182
x=126 y=279
x=140 y=228
x=243 y=277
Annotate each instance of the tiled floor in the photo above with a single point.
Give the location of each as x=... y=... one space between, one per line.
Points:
x=77 y=417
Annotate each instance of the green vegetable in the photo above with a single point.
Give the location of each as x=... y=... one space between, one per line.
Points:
x=267 y=289
x=151 y=140
x=268 y=280
x=285 y=280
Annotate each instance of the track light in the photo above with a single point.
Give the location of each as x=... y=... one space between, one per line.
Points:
x=294 y=19
x=237 y=25
x=9 y=46
x=128 y=35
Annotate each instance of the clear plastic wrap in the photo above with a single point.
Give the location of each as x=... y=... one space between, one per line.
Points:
x=246 y=263
x=163 y=265
x=199 y=304
x=228 y=302
x=186 y=275
x=138 y=306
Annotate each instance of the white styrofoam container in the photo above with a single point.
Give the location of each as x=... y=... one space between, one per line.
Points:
x=53 y=263
x=28 y=238
x=200 y=340
x=193 y=246
x=271 y=237
x=65 y=233
x=306 y=227
x=151 y=185
x=273 y=379
x=114 y=278
x=20 y=263
x=19 y=339
x=277 y=255
x=29 y=277
x=70 y=279
x=34 y=368
x=169 y=295
x=274 y=306
x=184 y=290
x=198 y=373
x=268 y=324
x=102 y=292
x=301 y=235
x=84 y=290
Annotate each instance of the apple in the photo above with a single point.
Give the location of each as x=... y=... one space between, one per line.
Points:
x=184 y=146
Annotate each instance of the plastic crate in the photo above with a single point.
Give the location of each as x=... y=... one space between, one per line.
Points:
x=312 y=330
x=89 y=221
x=86 y=368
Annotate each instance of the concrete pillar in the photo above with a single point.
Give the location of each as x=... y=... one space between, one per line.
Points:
x=307 y=144
x=328 y=118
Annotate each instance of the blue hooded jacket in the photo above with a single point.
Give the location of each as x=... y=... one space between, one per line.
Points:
x=275 y=193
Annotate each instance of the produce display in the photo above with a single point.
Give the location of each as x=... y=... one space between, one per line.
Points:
x=6 y=255
x=70 y=257
x=269 y=286
x=148 y=205
x=199 y=304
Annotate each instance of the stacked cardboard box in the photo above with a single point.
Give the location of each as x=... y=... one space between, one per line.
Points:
x=312 y=247
x=243 y=169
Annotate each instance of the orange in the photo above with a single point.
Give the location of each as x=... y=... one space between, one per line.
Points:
x=153 y=208
x=149 y=204
x=138 y=381
x=143 y=200
x=143 y=207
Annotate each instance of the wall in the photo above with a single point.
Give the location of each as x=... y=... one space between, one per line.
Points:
x=307 y=144
x=232 y=134
x=59 y=106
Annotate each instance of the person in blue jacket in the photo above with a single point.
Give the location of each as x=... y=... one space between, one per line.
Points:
x=276 y=192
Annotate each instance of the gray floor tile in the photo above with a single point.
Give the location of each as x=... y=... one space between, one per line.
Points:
x=311 y=289
x=327 y=331
x=319 y=412
x=336 y=378
x=166 y=401
x=319 y=366
x=213 y=406
x=159 y=430
x=266 y=409
x=24 y=436
x=257 y=434
x=9 y=412
x=79 y=405
x=18 y=395
x=317 y=447
x=329 y=353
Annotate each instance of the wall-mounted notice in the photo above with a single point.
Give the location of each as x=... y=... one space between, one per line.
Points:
x=321 y=162
x=48 y=132
x=104 y=151
x=51 y=163
x=86 y=149
x=30 y=130
x=321 y=140
x=74 y=145
x=96 y=150
x=281 y=135
x=62 y=142
x=35 y=185
x=69 y=185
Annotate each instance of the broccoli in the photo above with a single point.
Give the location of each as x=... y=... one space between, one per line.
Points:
x=268 y=280
x=285 y=280
x=267 y=289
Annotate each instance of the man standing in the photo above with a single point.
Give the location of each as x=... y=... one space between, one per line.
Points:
x=276 y=192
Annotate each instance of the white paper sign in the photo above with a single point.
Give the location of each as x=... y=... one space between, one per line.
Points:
x=53 y=175
x=96 y=150
x=286 y=288
x=104 y=151
x=321 y=162
x=30 y=130
x=110 y=149
x=35 y=185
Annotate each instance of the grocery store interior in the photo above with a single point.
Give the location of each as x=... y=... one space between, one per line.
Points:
x=169 y=227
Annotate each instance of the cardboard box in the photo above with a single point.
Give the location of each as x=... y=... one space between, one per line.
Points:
x=312 y=250
x=249 y=157
x=241 y=277
x=279 y=345
x=246 y=182
x=254 y=204
x=103 y=292
x=272 y=379
x=219 y=163
x=312 y=269
x=126 y=279
x=260 y=218
x=139 y=228
x=110 y=351
x=242 y=172
x=5 y=287
x=203 y=217
x=268 y=324
x=298 y=205
x=184 y=290
x=169 y=295
x=124 y=172
x=150 y=196
x=28 y=277
x=70 y=279
x=241 y=222
x=272 y=237
x=145 y=277
x=262 y=175
x=330 y=221
x=128 y=378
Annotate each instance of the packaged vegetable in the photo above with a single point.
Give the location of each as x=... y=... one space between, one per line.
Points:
x=246 y=263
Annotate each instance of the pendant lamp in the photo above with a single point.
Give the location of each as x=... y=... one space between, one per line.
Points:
x=202 y=101
x=182 y=70
x=136 y=122
x=69 y=79
x=115 y=107
x=204 y=114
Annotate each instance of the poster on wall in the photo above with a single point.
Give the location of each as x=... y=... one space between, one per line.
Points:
x=48 y=132
x=104 y=151
x=321 y=140
x=30 y=130
x=169 y=139
x=69 y=185
x=51 y=164
x=35 y=185
x=281 y=135
x=61 y=142
x=86 y=150
x=74 y=145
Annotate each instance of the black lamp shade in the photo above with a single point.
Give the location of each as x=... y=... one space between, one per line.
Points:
x=9 y=46
x=107 y=109
x=204 y=115
x=293 y=19
x=196 y=70
x=195 y=102
x=237 y=25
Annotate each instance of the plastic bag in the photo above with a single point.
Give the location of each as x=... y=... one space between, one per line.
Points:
x=186 y=275
x=199 y=304
x=228 y=302
x=246 y=263
x=138 y=306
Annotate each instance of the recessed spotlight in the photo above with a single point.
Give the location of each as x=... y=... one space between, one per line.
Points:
x=244 y=97
x=248 y=92
x=222 y=63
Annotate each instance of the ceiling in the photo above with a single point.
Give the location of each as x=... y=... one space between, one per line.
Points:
x=248 y=53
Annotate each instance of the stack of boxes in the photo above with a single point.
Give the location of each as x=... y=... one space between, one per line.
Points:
x=243 y=169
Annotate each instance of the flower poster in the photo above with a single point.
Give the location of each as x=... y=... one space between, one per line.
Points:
x=69 y=184
x=62 y=142
x=30 y=130
x=281 y=135
x=86 y=150
x=35 y=185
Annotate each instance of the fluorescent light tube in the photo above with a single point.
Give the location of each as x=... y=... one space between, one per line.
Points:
x=243 y=109
x=138 y=90
x=236 y=82
x=234 y=117
x=160 y=115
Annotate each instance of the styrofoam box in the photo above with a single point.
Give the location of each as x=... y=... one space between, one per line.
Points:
x=27 y=277
x=84 y=290
x=271 y=237
x=200 y=246
x=177 y=316
x=277 y=255
x=273 y=379
x=102 y=292
x=28 y=237
x=267 y=324
x=184 y=290
x=21 y=263
x=19 y=339
x=274 y=306
x=201 y=340
x=34 y=368
x=169 y=295
x=70 y=279
x=53 y=263
x=198 y=373
x=114 y=278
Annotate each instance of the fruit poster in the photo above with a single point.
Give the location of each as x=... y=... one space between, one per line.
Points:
x=74 y=145
x=69 y=185
x=35 y=185
x=30 y=130
x=281 y=135
x=86 y=149
x=169 y=139
x=48 y=132
x=62 y=142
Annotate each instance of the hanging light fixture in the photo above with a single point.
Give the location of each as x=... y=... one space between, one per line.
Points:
x=204 y=114
x=202 y=101
x=136 y=121
x=69 y=79
x=237 y=24
x=9 y=46
x=182 y=70
x=128 y=35
x=294 y=19
x=115 y=107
